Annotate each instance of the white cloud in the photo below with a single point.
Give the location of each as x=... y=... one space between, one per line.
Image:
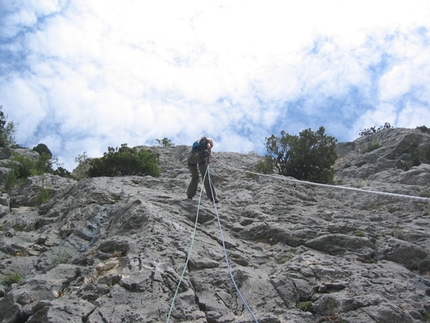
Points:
x=100 y=73
x=26 y=108
x=383 y=113
x=413 y=116
x=21 y=14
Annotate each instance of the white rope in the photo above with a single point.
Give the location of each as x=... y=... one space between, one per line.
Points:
x=190 y=249
x=291 y=179
x=225 y=251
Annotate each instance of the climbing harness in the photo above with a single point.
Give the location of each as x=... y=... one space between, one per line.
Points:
x=207 y=173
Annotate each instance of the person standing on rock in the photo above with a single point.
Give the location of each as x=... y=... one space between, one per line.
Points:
x=199 y=158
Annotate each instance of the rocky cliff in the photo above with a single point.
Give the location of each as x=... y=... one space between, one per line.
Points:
x=114 y=249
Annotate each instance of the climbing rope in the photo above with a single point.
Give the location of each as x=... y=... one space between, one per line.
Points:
x=225 y=250
x=291 y=179
x=207 y=173
x=189 y=251
x=220 y=227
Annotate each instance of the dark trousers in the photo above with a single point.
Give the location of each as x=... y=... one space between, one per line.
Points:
x=196 y=163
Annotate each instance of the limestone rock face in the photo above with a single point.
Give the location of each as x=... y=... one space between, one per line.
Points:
x=114 y=249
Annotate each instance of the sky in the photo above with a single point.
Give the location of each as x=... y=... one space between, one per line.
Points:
x=84 y=75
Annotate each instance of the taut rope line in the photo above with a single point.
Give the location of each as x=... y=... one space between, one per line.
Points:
x=280 y=177
x=412 y=197
x=189 y=251
x=225 y=250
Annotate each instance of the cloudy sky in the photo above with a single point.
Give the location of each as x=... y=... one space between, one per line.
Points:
x=84 y=75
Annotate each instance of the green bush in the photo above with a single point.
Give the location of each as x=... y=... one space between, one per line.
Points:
x=11 y=181
x=424 y=129
x=45 y=195
x=24 y=167
x=309 y=156
x=415 y=157
x=21 y=166
x=373 y=146
x=372 y=130
x=125 y=161
x=61 y=171
x=18 y=227
x=43 y=165
x=10 y=279
x=265 y=166
x=165 y=142
x=42 y=149
x=7 y=129
x=306 y=306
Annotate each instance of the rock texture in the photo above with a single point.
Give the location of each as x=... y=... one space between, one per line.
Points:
x=113 y=249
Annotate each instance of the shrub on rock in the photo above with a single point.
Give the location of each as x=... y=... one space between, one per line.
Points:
x=125 y=161
x=309 y=156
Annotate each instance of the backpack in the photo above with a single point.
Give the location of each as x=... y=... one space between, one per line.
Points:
x=200 y=146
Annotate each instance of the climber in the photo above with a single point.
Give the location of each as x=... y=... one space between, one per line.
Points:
x=199 y=157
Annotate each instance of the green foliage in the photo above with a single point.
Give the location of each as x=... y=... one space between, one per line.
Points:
x=45 y=195
x=250 y=175
x=125 y=161
x=165 y=142
x=415 y=157
x=425 y=193
x=306 y=306
x=61 y=171
x=372 y=146
x=265 y=166
x=309 y=156
x=11 y=181
x=424 y=129
x=18 y=227
x=400 y=234
x=42 y=149
x=12 y=278
x=283 y=257
x=43 y=165
x=24 y=167
x=81 y=158
x=372 y=130
x=61 y=257
x=81 y=171
x=21 y=166
x=7 y=129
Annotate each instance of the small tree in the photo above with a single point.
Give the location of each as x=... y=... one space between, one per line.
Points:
x=424 y=129
x=125 y=161
x=309 y=156
x=7 y=129
x=81 y=158
x=372 y=130
x=165 y=142
x=42 y=149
